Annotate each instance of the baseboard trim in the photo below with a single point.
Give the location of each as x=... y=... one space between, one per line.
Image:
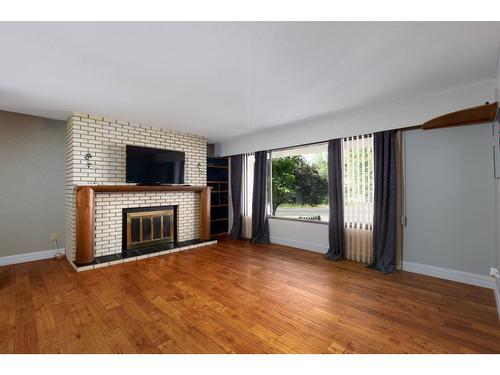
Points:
x=449 y=274
x=496 y=282
x=299 y=244
x=29 y=257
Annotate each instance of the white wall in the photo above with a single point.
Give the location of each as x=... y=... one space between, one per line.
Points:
x=449 y=193
x=404 y=113
x=304 y=235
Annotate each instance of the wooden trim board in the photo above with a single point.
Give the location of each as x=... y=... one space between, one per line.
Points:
x=475 y=115
x=84 y=225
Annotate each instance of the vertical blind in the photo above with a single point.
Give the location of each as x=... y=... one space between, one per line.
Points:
x=357 y=153
x=248 y=171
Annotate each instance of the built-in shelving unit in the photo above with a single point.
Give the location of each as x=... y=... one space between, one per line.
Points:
x=218 y=180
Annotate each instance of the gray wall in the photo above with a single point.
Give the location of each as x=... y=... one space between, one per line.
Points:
x=450 y=195
x=497 y=182
x=31 y=183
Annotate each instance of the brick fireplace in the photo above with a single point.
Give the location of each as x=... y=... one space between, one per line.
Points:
x=95 y=155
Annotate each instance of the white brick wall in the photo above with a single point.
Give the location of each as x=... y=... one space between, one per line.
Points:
x=106 y=140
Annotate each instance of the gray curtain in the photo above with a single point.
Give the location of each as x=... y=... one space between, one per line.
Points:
x=260 y=225
x=335 y=201
x=385 y=198
x=236 y=185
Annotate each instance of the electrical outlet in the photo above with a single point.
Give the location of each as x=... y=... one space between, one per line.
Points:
x=53 y=236
x=494 y=272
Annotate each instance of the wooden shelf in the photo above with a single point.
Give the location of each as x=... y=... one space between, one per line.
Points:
x=475 y=115
x=222 y=219
x=217 y=176
x=217 y=166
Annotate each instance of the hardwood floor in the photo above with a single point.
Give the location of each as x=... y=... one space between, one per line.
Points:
x=235 y=297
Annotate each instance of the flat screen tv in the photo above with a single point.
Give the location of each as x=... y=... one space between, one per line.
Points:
x=151 y=166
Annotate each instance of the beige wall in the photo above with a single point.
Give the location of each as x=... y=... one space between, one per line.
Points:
x=31 y=183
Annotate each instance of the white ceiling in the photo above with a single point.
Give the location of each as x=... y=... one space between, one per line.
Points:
x=225 y=79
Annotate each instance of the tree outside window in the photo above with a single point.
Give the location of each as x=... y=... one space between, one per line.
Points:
x=300 y=183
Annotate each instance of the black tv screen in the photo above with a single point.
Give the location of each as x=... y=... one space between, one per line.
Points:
x=154 y=166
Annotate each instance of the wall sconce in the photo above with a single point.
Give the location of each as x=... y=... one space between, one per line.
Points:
x=88 y=156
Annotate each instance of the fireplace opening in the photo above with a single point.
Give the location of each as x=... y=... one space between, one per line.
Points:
x=148 y=226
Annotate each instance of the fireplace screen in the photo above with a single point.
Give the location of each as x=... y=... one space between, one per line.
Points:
x=144 y=228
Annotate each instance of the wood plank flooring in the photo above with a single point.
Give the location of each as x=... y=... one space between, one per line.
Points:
x=235 y=297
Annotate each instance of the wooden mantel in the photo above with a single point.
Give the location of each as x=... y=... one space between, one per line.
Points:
x=85 y=212
x=139 y=188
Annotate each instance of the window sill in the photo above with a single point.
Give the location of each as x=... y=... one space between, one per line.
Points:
x=298 y=220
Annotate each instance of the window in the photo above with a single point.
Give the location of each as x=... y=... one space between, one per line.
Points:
x=299 y=183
